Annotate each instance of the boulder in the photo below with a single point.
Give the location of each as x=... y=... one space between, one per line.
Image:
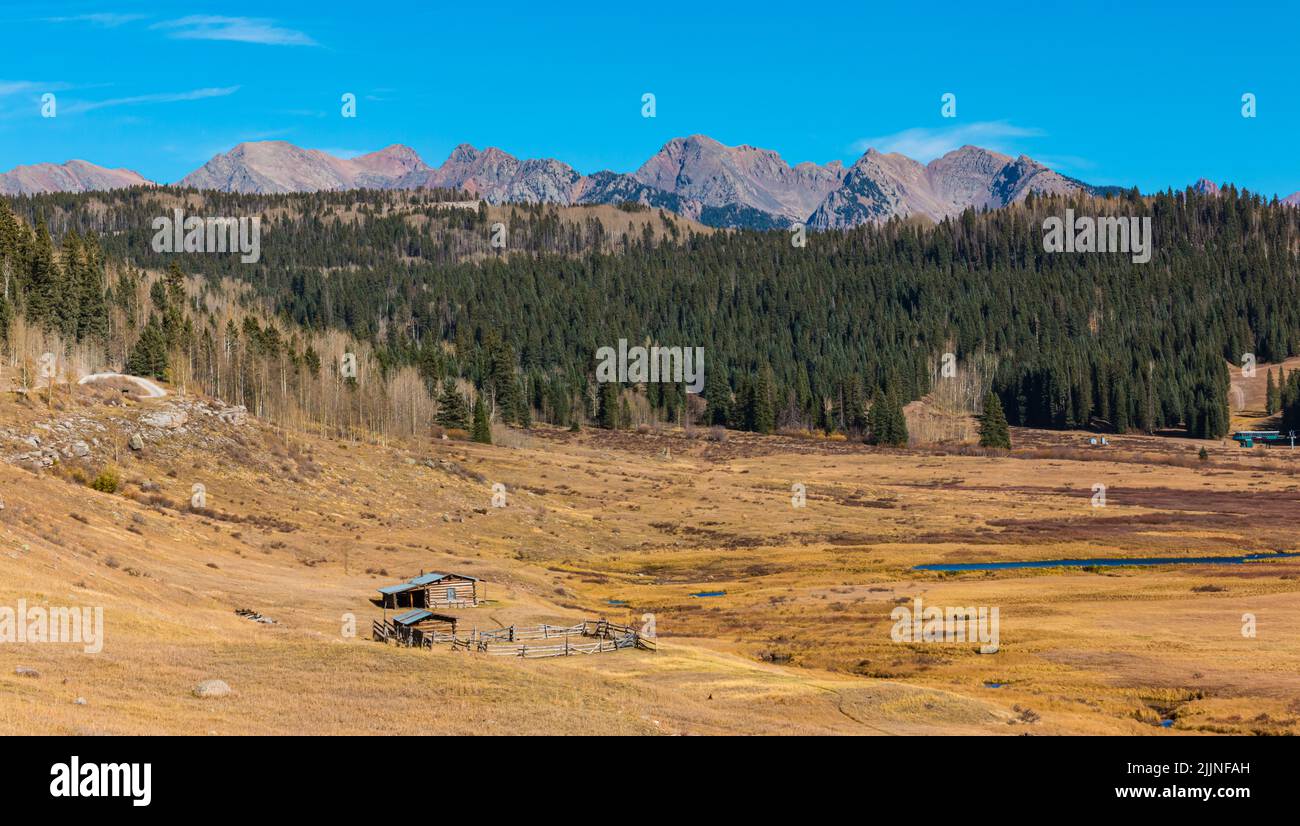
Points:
x=211 y=688
x=165 y=419
x=234 y=415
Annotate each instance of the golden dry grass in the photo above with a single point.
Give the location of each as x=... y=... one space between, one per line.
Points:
x=304 y=530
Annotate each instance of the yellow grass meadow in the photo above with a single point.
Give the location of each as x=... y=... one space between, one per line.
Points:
x=304 y=530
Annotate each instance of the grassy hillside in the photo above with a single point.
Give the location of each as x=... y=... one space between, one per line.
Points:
x=303 y=529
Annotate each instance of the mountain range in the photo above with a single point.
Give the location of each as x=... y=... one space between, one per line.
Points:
x=73 y=176
x=695 y=176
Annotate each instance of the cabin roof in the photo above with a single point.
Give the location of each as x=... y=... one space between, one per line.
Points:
x=426 y=579
x=422 y=579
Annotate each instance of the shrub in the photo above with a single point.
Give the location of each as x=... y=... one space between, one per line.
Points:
x=108 y=480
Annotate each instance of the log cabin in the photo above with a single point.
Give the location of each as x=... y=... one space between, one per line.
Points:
x=432 y=590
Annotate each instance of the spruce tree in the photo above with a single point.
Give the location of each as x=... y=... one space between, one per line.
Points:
x=607 y=406
x=763 y=417
x=898 y=435
x=876 y=419
x=501 y=379
x=42 y=280
x=67 y=292
x=92 y=320
x=852 y=413
x=993 y=424
x=149 y=355
x=887 y=423
x=172 y=299
x=452 y=409
x=482 y=429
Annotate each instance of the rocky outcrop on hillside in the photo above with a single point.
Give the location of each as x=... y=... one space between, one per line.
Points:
x=98 y=436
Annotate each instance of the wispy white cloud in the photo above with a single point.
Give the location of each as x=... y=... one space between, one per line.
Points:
x=926 y=144
x=238 y=29
x=106 y=19
x=166 y=97
x=1072 y=163
x=27 y=87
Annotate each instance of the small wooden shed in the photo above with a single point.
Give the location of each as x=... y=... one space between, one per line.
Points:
x=411 y=627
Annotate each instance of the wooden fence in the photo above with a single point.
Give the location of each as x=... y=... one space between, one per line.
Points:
x=534 y=641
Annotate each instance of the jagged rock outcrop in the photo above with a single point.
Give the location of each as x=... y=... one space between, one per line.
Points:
x=696 y=176
x=881 y=186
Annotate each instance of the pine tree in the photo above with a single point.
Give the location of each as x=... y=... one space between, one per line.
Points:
x=718 y=396
x=578 y=414
x=67 y=292
x=501 y=379
x=42 y=280
x=92 y=321
x=876 y=419
x=525 y=411
x=453 y=412
x=149 y=355
x=763 y=416
x=888 y=425
x=172 y=300
x=901 y=436
x=607 y=406
x=852 y=413
x=1271 y=397
x=993 y=424
x=757 y=414
x=482 y=429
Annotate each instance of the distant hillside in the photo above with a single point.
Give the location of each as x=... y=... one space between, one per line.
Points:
x=73 y=176
x=796 y=337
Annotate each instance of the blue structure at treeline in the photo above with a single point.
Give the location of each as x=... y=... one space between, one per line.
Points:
x=1269 y=438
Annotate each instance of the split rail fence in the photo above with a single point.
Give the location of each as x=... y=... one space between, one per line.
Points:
x=534 y=641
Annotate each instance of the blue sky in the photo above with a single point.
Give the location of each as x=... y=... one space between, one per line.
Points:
x=1113 y=93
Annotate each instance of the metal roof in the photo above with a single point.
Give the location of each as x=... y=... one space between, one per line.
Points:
x=420 y=615
x=422 y=579
x=426 y=579
x=412 y=617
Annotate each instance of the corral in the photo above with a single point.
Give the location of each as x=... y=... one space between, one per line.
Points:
x=587 y=637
